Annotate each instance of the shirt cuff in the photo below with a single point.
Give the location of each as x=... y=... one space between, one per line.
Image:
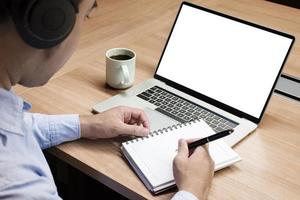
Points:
x=63 y=128
x=184 y=195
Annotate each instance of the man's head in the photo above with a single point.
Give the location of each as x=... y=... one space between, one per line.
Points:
x=37 y=38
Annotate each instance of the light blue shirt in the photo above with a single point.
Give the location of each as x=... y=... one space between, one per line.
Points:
x=24 y=171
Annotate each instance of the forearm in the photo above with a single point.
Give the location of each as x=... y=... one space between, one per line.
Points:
x=51 y=130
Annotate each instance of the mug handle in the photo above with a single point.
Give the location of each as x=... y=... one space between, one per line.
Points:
x=125 y=72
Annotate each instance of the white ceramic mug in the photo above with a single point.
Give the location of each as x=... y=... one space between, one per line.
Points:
x=120 y=67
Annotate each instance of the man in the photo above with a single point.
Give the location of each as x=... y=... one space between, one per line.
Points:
x=30 y=58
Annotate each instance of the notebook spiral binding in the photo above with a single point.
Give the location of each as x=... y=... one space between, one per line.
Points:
x=163 y=130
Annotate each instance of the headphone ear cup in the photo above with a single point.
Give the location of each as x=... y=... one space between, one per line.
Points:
x=46 y=23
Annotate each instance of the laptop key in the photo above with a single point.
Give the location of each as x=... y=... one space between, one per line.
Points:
x=155 y=95
x=221 y=128
x=180 y=115
x=174 y=112
x=205 y=117
x=146 y=94
x=194 y=117
x=170 y=115
x=228 y=127
x=216 y=117
x=169 y=109
x=186 y=118
x=213 y=126
x=215 y=122
x=222 y=120
x=157 y=104
x=199 y=109
x=222 y=125
x=202 y=116
x=192 y=106
x=164 y=103
x=210 y=115
x=163 y=107
x=150 y=91
x=190 y=110
x=209 y=119
x=218 y=129
x=143 y=97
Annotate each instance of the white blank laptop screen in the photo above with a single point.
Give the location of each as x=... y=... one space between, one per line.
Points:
x=226 y=60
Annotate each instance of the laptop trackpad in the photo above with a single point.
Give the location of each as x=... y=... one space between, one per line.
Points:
x=158 y=120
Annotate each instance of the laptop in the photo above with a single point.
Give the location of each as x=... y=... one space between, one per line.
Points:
x=214 y=67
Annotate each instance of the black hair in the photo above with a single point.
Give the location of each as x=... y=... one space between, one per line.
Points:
x=4 y=10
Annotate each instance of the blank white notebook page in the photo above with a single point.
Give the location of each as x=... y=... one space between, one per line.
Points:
x=154 y=155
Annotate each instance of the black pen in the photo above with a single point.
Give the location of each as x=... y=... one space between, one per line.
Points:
x=209 y=139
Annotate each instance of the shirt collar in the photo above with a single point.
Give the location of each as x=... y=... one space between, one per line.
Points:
x=12 y=110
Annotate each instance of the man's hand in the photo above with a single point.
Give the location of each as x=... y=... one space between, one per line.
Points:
x=193 y=173
x=114 y=122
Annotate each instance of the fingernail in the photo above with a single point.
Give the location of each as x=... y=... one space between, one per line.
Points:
x=145 y=131
x=180 y=141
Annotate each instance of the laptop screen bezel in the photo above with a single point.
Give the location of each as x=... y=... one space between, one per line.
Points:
x=212 y=101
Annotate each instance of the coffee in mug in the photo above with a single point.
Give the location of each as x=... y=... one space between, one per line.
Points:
x=121 y=57
x=120 y=67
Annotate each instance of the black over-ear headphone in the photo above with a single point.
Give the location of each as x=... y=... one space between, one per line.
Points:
x=44 y=23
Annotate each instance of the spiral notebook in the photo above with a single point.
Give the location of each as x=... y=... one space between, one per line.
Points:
x=151 y=157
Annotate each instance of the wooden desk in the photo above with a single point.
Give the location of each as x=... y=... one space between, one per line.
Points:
x=271 y=155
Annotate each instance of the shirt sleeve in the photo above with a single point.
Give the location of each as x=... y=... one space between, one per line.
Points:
x=184 y=195
x=51 y=130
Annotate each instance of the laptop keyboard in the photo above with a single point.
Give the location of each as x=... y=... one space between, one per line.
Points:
x=183 y=110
